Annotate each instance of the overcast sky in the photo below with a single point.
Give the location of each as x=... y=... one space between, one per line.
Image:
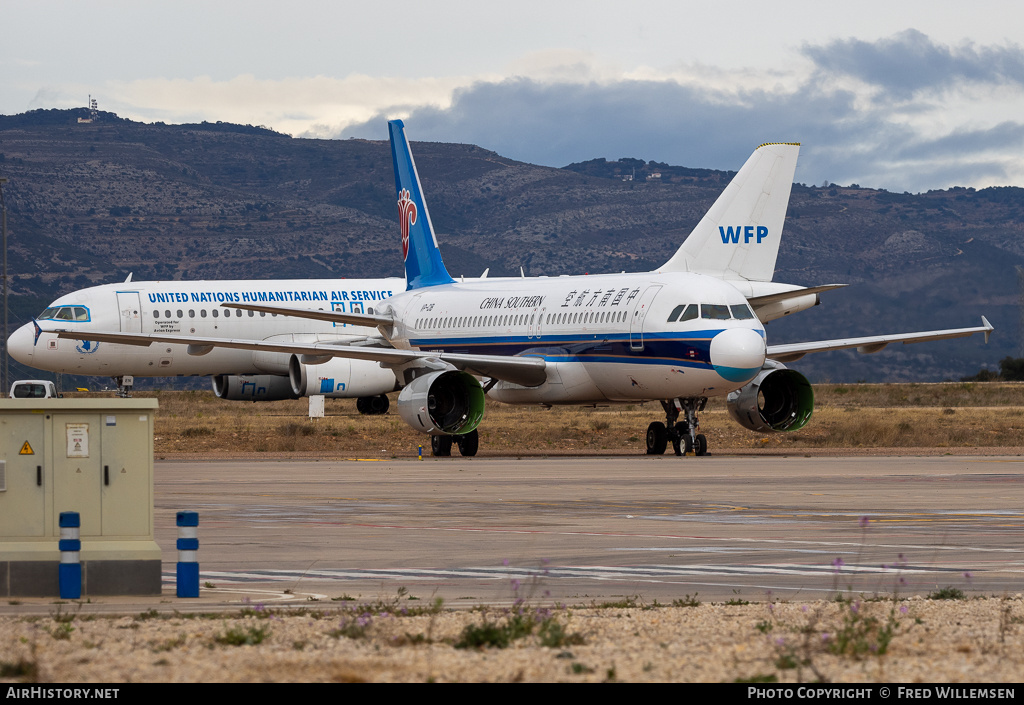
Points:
x=903 y=95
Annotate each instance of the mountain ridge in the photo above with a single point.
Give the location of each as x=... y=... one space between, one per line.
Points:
x=89 y=203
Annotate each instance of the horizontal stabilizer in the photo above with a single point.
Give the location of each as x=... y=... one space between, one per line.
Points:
x=756 y=301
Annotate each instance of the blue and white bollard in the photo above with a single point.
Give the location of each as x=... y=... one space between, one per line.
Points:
x=69 y=573
x=188 y=549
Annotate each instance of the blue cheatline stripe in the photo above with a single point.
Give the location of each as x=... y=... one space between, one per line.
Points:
x=552 y=339
x=665 y=349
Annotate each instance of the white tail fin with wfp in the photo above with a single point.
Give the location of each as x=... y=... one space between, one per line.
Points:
x=739 y=237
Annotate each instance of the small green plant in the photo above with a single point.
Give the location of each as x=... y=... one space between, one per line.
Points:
x=687 y=601
x=352 y=626
x=61 y=631
x=947 y=593
x=554 y=635
x=26 y=670
x=243 y=636
x=170 y=644
x=860 y=634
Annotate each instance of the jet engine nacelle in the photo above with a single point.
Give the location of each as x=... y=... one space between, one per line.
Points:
x=442 y=403
x=340 y=377
x=778 y=399
x=253 y=387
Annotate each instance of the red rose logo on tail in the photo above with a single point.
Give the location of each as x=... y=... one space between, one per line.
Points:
x=406 y=218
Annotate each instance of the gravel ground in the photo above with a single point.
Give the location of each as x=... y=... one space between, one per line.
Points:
x=915 y=640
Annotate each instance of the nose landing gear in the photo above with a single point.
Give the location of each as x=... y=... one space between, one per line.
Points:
x=682 y=434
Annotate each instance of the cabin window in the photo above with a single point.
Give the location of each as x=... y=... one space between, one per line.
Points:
x=191 y=313
x=215 y=313
x=180 y=314
x=251 y=314
x=202 y=313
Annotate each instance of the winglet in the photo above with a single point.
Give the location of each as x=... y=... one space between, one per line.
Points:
x=423 y=265
x=988 y=328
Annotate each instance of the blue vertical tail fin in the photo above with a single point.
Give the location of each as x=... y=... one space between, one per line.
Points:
x=423 y=265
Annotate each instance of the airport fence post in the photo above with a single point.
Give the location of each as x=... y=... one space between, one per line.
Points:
x=69 y=572
x=188 y=548
x=421 y=452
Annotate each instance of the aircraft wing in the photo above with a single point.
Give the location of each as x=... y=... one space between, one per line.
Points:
x=872 y=344
x=370 y=320
x=527 y=371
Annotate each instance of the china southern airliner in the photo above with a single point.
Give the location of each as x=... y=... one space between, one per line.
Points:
x=690 y=330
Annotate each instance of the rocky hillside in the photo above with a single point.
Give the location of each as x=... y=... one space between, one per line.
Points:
x=89 y=203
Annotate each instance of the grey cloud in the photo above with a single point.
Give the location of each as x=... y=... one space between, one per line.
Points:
x=556 y=124
x=909 y=62
x=1003 y=137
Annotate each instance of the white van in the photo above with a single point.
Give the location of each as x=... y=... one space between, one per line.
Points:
x=34 y=389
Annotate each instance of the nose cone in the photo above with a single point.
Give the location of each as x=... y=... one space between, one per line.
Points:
x=737 y=354
x=21 y=344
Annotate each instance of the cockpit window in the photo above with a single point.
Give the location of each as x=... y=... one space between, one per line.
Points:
x=64 y=313
x=715 y=312
x=741 y=312
x=683 y=312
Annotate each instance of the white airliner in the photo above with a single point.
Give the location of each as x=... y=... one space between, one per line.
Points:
x=681 y=334
x=194 y=308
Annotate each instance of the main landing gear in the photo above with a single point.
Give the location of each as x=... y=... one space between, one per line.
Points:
x=468 y=444
x=373 y=406
x=124 y=385
x=682 y=434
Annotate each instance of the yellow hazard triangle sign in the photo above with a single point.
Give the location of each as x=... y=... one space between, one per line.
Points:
x=26 y=449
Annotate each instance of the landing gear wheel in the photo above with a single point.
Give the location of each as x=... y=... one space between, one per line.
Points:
x=379 y=404
x=681 y=439
x=657 y=438
x=469 y=443
x=373 y=406
x=700 y=446
x=440 y=446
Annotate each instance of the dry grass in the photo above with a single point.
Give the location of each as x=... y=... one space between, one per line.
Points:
x=953 y=415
